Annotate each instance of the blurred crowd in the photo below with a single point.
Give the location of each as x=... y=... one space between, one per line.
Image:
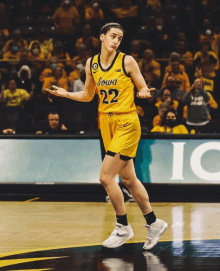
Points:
x=45 y=43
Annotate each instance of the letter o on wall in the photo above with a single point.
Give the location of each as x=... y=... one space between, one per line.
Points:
x=195 y=161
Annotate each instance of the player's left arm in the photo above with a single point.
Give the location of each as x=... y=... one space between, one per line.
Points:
x=132 y=69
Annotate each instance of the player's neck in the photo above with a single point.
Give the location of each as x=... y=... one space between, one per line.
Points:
x=106 y=58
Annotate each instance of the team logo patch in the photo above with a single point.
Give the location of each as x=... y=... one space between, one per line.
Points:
x=95 y=66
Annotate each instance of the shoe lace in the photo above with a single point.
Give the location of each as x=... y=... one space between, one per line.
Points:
x=151 y=234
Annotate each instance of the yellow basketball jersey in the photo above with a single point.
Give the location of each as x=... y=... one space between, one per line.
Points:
x=115 y=87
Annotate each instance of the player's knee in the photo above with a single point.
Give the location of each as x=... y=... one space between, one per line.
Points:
x=127 y=181
x=104 y=180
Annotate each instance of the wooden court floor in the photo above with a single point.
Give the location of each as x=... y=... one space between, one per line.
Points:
x=32 y=225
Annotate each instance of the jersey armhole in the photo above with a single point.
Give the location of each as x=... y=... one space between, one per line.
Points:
x=91 y=66
x=123 y=65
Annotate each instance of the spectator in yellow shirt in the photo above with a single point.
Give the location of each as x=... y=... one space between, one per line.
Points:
x=207 y=61
x=66 y=18
x=82 y=56
x=150 y=68
x=169 y=124
x=13 y=96
x=35 y=52
x=94 y=16
x=135 y=49
x=182 y=79
x=161 y=109
x=126 y=11
x=16 y=39
x=46 y=45
x=36 y=56
x=210 y=36
x=174 y=56
x=63 y=58
x=81 y=6
x=186 y=57
x=48 y=72
x=127 y=15
x=92 y=44
x=166 y=97
x=75 y=74
x=56 y=79
x=154 y=4
x=13 y=53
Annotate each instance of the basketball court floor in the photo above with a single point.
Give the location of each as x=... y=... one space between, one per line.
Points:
x=65 y=236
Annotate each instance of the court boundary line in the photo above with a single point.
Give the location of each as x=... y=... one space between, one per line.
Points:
x=26 y=201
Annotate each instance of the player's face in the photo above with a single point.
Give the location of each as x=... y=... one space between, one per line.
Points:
x=112 y=39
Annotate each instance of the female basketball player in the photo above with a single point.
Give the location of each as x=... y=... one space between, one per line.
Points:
x=113 y=74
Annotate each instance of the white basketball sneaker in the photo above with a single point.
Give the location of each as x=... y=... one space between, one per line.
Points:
x=119 y=236
x=155 y=230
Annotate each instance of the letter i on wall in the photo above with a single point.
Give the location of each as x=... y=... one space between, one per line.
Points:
x=178 y=158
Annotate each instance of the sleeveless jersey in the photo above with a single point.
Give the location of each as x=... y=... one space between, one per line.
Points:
x=114 y=86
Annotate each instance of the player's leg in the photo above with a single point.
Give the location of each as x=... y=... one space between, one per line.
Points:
x=156 y=227
x=123 y=231
x=126 y=193
x=139 y=193
x=109 y=169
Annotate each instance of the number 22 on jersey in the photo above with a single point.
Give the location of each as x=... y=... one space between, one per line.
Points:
x=111 y=92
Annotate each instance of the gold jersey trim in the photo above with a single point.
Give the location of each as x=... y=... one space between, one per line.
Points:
x=113 y=62
x=123 y=66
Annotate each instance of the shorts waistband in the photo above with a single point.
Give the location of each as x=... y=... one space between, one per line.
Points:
x=123 y=113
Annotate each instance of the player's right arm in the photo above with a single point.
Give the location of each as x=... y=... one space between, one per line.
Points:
x=133 y=70
x=83 y=96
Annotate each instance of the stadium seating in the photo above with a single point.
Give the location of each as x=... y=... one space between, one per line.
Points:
x=12 y=117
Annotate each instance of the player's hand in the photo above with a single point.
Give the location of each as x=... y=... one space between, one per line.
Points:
x=57 y=91
x=145 y=93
